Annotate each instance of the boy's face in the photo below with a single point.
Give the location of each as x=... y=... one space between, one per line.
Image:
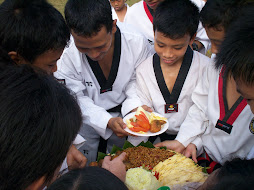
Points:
x=216 y=37
x=153 y=3
x=118 y=5
x=97 y=46
x=171 y=51
x=47 y=61
x=247 y=92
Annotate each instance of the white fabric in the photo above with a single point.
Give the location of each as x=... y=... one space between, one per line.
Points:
x=138 y=18
x=79 y=77
x=114 y=15
x=202 y=118
x=150 y=94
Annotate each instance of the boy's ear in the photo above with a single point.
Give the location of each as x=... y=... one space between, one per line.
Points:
x=114 y=26
x=17 y=58
x=192 y=39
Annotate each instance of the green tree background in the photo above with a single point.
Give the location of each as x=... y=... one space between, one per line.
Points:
x=59 y=4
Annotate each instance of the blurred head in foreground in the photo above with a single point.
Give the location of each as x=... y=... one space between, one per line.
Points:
x=39 y=119
x=89 y=178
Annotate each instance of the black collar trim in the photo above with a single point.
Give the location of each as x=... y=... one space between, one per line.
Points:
x=106 y=85
x=183 y=72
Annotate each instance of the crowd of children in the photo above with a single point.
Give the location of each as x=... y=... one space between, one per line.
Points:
x=110 y=59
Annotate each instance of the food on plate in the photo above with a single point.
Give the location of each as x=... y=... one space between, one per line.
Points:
x=140 y=178
x=156 y=125
x=143 y=122
x=179 y=170
x=138 y=156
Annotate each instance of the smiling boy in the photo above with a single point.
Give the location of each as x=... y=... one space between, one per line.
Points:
x=168 y=78
x=219 y=112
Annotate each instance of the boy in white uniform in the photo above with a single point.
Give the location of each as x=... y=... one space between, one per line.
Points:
x=119 y=9
x=169 y=77
x=216 y=119
x=237 y=56
x=99 y=67
x=140 y=15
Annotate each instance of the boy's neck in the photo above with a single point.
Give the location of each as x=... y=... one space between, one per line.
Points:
x=106 y=62
x=231 y=94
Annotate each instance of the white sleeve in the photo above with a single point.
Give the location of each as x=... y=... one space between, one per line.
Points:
x=90 y=111
x=195 y=123
x=199 y=145
x=132 y=100
x=202 y=36
x=79 y=141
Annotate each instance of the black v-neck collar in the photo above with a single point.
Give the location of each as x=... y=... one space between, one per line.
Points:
x=223 y=98
x=106 y=85
x=171 y=98
x=150 y=10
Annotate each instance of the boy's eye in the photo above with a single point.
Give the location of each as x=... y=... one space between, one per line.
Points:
x=160 y=45
x=178 y=48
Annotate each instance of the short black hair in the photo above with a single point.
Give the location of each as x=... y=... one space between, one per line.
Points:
x=237 y=50
x=234 y=175
x=87 y=17
x=219 y=14
x=176 y=18
x=88 y=178
x=31 y=28
x=39 y=119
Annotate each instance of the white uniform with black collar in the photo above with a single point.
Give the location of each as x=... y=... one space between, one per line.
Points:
x=150 y=94
x=199 y=125
x=80 y=78
x=138 y=16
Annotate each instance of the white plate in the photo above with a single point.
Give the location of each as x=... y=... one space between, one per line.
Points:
x=146 y=134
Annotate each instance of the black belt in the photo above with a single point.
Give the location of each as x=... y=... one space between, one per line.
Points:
x=115 y=109
x=163 y=137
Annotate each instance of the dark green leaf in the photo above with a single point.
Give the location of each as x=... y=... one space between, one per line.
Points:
x=127 y=144
x=115 y=149
x=101 y=155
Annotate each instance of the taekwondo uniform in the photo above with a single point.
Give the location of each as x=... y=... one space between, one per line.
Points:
x=140 y=15
x=102 y=99
x=222 y=133
x=114 y=15
x=153 y=92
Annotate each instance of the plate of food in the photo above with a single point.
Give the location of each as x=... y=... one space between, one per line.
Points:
x=143 y=123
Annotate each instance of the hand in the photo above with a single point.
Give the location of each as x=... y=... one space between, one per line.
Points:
x=117 y=125
x=116 y=166
x=173 y=145
x=75 y=159
x=145 y=107
x=191 y=151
